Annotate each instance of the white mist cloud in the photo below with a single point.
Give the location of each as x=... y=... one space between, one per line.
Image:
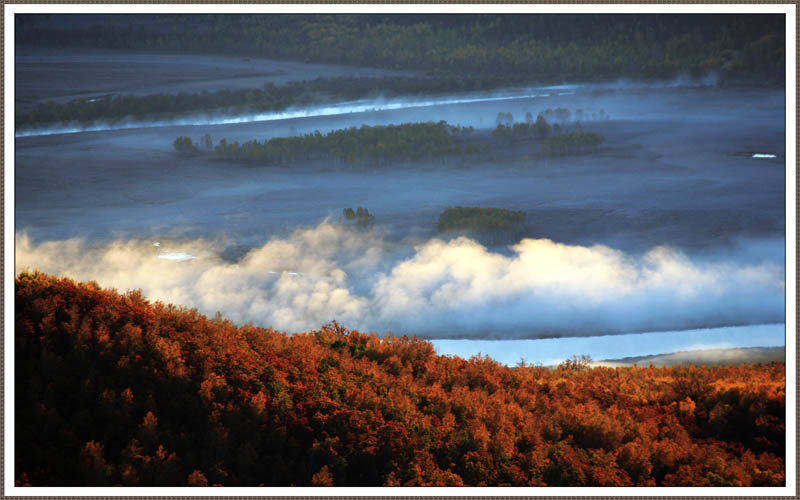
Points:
x=334 y=109
x=442 y=289
x=364 y=106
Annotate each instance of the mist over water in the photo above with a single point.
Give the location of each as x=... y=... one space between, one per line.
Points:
x=364 y=105
x=335 y=109
x=660 y=231
x=438 y=289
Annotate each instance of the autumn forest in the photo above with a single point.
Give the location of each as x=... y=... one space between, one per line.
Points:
x=173 y=398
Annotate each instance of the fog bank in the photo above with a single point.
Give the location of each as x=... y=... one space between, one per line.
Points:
x=438 y=289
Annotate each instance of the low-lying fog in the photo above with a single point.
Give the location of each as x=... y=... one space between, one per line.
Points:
x=629 y=101
x=676 y=223
x=456 y=289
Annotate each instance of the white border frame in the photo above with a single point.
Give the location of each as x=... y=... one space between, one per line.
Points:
x=791 y=272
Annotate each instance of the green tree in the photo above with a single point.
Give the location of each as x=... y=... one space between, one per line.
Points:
x=184 y=145
x=542 y=127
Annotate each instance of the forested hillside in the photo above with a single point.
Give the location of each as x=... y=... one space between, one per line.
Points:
x=538 y=47
x=113 y=389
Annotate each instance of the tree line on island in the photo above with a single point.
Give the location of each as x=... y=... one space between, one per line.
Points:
x=377 y=145
x=487 y=225
x=479 y=219
x=554 y=143
x=382 y=145
x=111 y=389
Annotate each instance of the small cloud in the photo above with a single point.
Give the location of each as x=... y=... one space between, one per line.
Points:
x=177 y=256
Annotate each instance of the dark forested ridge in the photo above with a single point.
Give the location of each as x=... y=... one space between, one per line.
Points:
x=113 y=389
x=451 y=53
x=536 y=47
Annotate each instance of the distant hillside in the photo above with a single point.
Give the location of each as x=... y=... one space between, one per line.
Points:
x=734 y=356
x=535 y=47
x=111 y=389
